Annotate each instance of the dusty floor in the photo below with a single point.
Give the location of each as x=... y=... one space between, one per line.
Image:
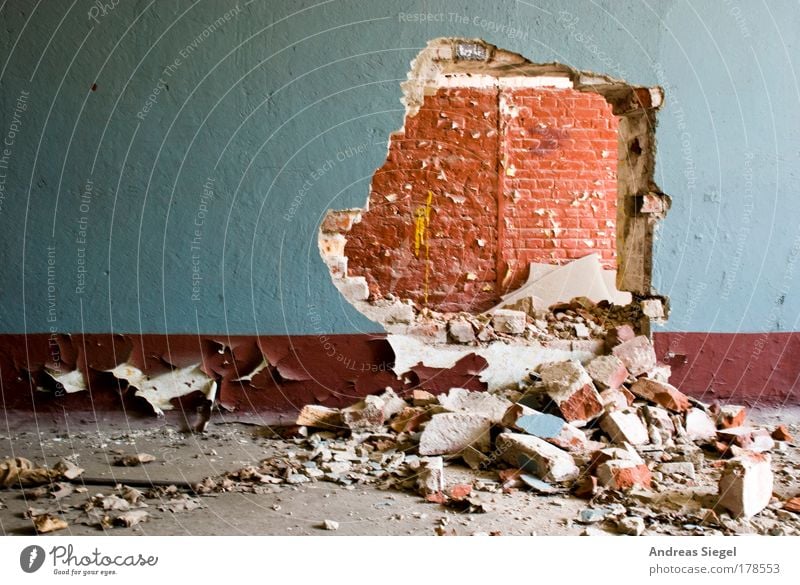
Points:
x=359 y=509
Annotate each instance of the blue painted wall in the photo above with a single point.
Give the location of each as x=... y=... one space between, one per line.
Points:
x=203 y=209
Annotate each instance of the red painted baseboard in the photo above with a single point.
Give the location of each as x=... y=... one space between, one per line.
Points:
x=336 y=370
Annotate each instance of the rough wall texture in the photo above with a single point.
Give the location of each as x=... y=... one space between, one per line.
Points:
x=514 y=175
x=450 y=150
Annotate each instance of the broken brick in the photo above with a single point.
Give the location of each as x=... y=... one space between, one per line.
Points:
x=571 y=389
x=749 y=438
x=365 y=415
x=625 y=426
x=619 y=334
x=607 y=371
x=781 y=433
x=622 y=474
x=730 y=416
x=410 y=419
x=637 y=354
x=461 y=331
x=536 y=456
x=452 y=432
x=665 y=395
x=508 y=321
x=745 y=487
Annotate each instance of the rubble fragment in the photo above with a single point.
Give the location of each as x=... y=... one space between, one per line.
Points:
x=430 y=479
x=570 y=387
x=631 y=526
x=452 y=432
x=130 y=518
x=665 y=395
x=729 y=416
x=481 y=403
x=781 y=433
x=316 y=416
x=699 y=426
x=624 y=474
x=625 y=426
x=134 y=460
x=745 y=487
x=637 y=354
x=508 y=321
x=540 y=458
x=607 y=371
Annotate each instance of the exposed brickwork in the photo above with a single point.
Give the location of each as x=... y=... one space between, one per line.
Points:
x=449 y=148
x=559 y=148
x=531 y=169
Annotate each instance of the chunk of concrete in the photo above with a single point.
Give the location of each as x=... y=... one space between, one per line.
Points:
x=489 y=405
x=570 y=387
x=699 y=426
x=451 y=432
x=672 y=468
x=625 y=426
x=637 y=354
x=508 y=321
x=665 y=395
x=607 y=371
x=631 y=525
x=536 y=456
x=745 y=487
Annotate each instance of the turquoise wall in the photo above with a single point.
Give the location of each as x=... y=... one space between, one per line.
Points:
x=180 y=194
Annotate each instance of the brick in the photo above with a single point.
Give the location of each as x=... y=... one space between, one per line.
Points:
x=409 y=419
x=619 y=334
x=607 y=371
x=570 y=387
x=730 y=416
x=621 y=474
x=745 y=487
x=452 y=432
x=665 y=395
x=637 y=354
x=624 y=426
x=781 y=433
x=508 y=321
x=536 y=456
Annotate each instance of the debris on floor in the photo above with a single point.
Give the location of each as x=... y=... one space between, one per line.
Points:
x=609 y=431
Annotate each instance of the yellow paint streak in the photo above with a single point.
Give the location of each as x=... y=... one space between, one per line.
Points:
x=422 y=219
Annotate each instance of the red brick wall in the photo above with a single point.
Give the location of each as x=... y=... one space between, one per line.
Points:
x=559 y=148
x=448 y=148
x=557 y=204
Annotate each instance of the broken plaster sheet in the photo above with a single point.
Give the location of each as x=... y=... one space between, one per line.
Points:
x=548 y=284
x=70 y=381
x=160 y=390
x=508 y=363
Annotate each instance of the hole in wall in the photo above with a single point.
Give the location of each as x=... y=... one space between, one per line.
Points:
x=507 y=174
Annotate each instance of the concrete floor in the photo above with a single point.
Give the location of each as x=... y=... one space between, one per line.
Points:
x=285 y=510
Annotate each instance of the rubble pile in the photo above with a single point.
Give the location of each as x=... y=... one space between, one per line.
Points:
x=612 y=431
x=580 y=318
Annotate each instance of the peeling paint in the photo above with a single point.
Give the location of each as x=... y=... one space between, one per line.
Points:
x=159 y=391
x=71 y=382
